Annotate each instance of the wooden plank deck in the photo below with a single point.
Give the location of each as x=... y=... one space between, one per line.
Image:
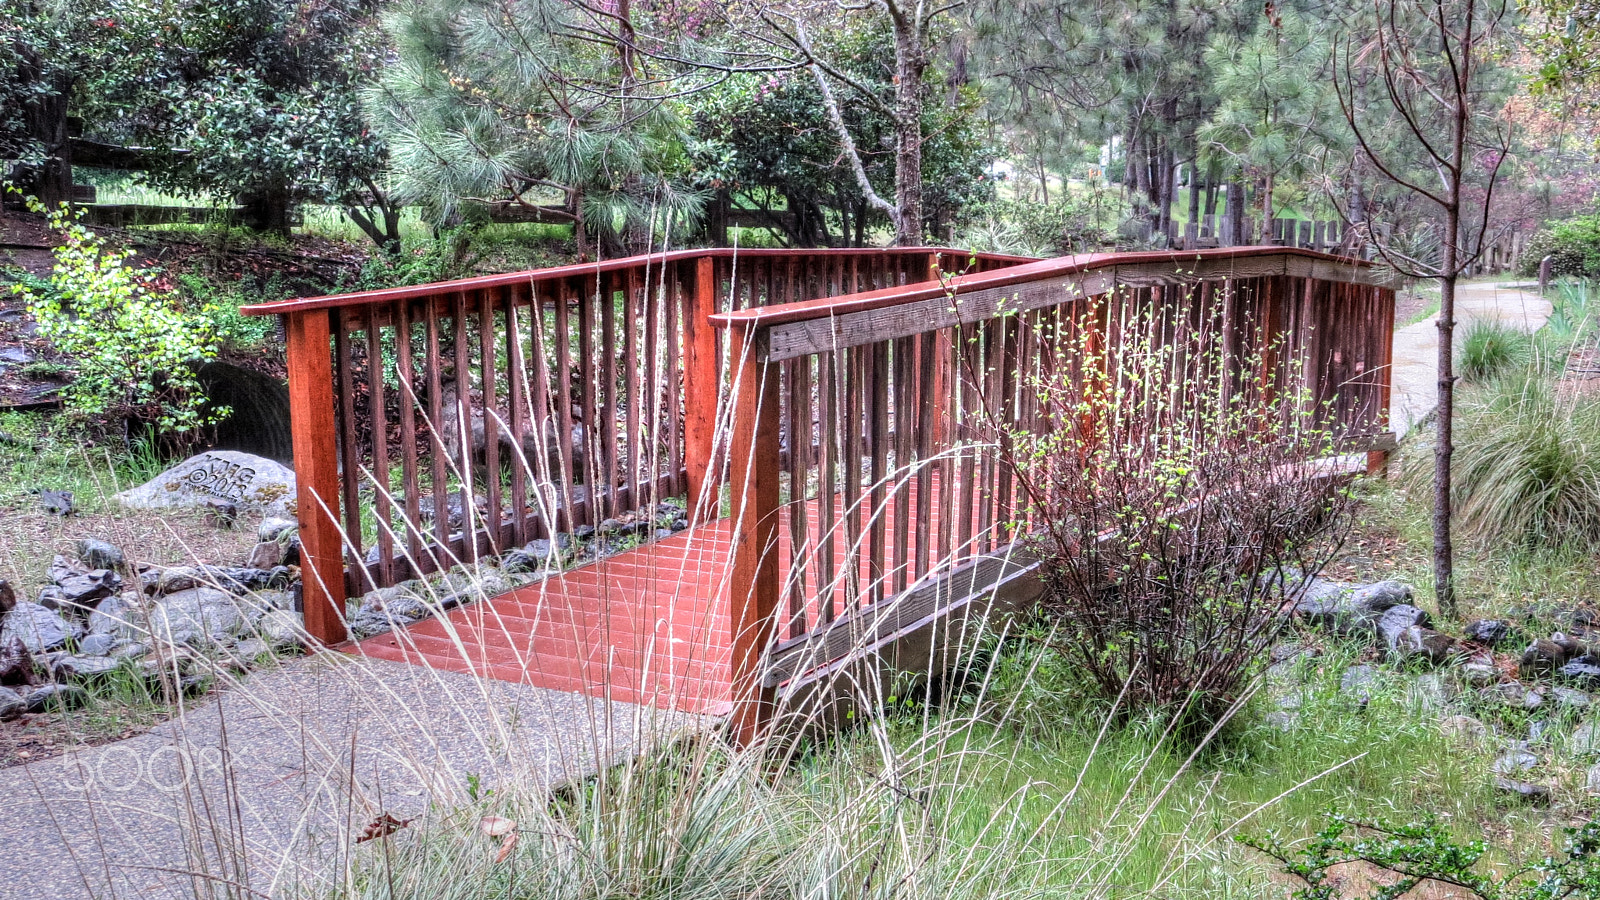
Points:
x=649 y=625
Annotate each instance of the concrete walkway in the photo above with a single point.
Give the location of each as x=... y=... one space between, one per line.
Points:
x=270 y=781
x=1416 y=347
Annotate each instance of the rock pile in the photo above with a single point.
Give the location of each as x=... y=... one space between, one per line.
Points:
x=1550 y=686
x=99 y=614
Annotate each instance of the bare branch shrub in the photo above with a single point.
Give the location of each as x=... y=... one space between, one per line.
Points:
x=1181 y=483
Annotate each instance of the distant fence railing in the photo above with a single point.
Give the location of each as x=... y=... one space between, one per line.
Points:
x=442 y=422
x=863 y=474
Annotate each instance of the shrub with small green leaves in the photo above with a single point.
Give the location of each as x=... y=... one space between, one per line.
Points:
x=133 y=348
x=1425 y=853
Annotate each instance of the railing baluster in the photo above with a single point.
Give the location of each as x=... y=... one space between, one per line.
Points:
x=344 y=322
x=378 y=414
x=410 y=476
x=489 y=362
x=517 y=401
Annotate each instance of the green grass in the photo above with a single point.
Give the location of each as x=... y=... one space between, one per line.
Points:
x=44 y=453
x=1490 y=349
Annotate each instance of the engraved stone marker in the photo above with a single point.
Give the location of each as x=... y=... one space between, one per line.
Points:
x=252 y=482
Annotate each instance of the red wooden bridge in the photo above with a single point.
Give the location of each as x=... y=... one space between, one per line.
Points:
x=818 y=414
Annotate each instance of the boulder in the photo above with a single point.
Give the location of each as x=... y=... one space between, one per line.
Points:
x=97 y=644
x=98 y=554
x=1541 y=660
x=12 y=704
x=196 y=615
x=1585 y=740
x=1567 y=698
x=1396 y=619
x=39 y=629
x=1480 y=674
x=84 y=592
x=1346 y=611
x=219 y=476
x=1491 y=632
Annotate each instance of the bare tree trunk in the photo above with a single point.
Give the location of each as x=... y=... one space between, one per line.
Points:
x=910 y=62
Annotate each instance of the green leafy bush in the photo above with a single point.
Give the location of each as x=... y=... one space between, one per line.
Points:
x=1527 y=464
x=1426 y=854
x=134 y=348
x=1572 y=244
x=1491 y=349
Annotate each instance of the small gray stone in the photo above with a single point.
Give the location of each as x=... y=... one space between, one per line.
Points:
x=130 y=650
x=39 y=629
x=97 y=644
x=56 y=503
x=1514 y=761
x=1356 y=682
x=1541 y=659
x=1567 y=698
x=86 y=590
x=275 y=528
x=1480 y=674
x=663 y=533
x=119 y=615
x=98 y=554
x=1591 y=781
x=58 y=696
x=1527 y=790
x=83 y=667
x=1532 y=699
x=1583 y=672
x=1465 y=727
x=1490 y=632
x=265 y=555
x=252 y=649
x=12 y=704
x=281 y=628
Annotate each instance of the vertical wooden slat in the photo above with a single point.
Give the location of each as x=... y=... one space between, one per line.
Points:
x=488 y=360
x=798 y=393
x=311 y=420
x=438 y=479
x=650 y=386
x=677 y=295
x=929 y=403
x=591 y=375
x=461 y=423
x=606 y=398
x=518 y=401
x=850 y=471
x=571 y=454
x=632 y=442
x=378 y=413
x=345 y=321
x=878 y=446
x=904 y=398
x=410 y=476
x=828 y=379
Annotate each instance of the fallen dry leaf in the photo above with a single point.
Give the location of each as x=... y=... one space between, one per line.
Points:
x=382 y=826
x=495 y=826
x=506 y=847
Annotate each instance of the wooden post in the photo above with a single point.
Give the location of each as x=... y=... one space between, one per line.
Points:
x=702 y=386
x=316 y=464
x=943 y=365
x=754 y=581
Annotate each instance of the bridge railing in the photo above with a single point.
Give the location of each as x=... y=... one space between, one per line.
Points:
x=864 y=472
x=441 y=422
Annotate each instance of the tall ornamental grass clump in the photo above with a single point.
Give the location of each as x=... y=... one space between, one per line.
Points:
x=1491 y=348
x=1527 y=466
x=1177 y=496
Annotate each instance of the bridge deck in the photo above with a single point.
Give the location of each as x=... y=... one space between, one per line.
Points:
x=649 y=625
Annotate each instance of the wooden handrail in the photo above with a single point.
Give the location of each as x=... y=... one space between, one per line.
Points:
x=558 y=273
x=1354 y=271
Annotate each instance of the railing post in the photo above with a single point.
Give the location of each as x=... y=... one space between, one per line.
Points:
x=316 y=464
x=754 y=580
x=943 y=366
x=702 y=386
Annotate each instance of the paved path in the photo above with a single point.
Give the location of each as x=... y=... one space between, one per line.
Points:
x=1416 y=347
x=291 y=765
